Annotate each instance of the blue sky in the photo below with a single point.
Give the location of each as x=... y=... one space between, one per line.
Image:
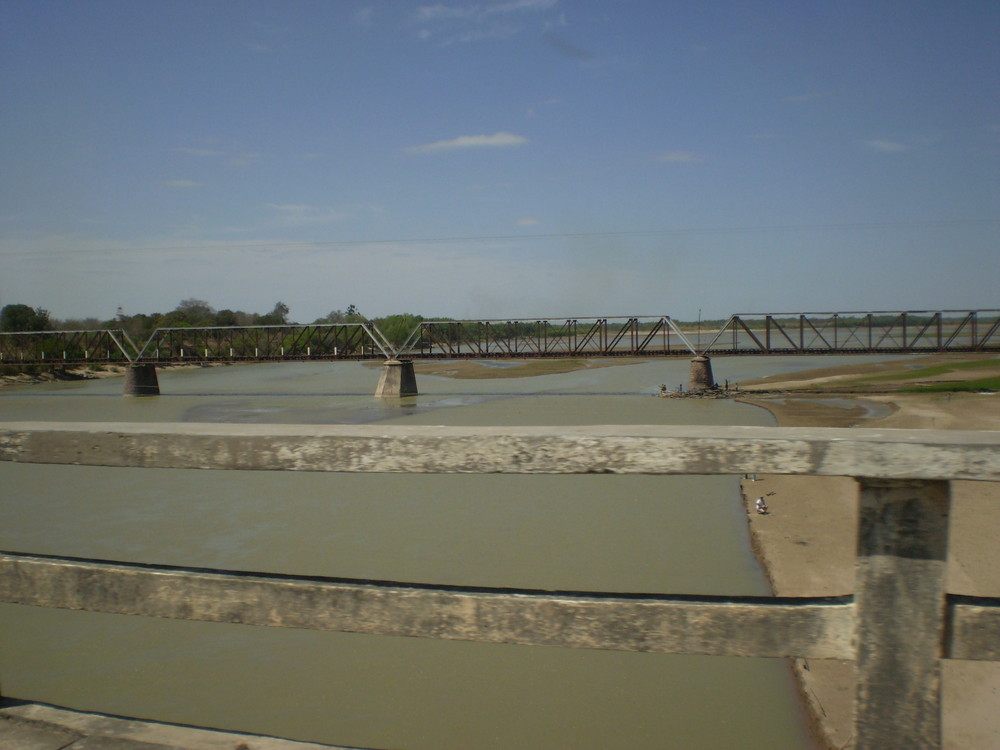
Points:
x=516 y=158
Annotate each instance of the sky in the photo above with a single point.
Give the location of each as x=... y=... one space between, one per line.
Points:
x=500 y=158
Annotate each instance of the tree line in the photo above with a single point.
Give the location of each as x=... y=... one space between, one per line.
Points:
x=194 y=313
x=396 y=328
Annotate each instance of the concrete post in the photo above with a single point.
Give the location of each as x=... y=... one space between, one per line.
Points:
x=900 y=623
x=701 y=374
x=397 y=379
x=141 y=380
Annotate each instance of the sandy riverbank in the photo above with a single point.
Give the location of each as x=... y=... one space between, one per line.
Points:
x=62 y=375
x=807 y=545
x=71 y=374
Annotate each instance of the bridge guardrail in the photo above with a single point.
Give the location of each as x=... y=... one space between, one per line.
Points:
x=898 y=626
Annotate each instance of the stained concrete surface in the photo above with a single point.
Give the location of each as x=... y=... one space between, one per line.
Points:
x=36 y=726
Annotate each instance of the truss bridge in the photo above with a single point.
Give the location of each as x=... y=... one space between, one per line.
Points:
x=897 y=332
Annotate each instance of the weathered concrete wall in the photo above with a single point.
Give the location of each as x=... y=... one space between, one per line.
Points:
x=612 y=449
x=898 y=626
x=735 y=626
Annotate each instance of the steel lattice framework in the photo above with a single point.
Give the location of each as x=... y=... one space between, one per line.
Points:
x=907 y=332
x=859 y=333
x=258 y=343
x=66 y=347
x=524 y=338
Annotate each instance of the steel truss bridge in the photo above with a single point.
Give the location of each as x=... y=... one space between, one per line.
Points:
x=906 y=332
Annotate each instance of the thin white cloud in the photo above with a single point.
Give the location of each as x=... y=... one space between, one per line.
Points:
x=462 y=142
x=180 y=184
x=528 y=221
x=440 y=11
x=679 y=157
x=443 y=12
x=515 y=6
x=886 y=146
x=473 y=22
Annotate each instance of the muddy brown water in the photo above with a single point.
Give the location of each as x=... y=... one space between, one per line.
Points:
x=637 y=534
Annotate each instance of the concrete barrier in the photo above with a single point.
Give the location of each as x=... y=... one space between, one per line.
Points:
x=899 y=626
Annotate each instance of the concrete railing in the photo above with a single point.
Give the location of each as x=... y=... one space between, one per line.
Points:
x=898 y=626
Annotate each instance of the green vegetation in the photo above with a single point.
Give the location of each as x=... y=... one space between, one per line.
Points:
x=932 y=371
x=975 y=386
x=934 y=374
x=24 y=318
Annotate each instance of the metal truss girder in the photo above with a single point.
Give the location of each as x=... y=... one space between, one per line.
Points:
x=886 y=332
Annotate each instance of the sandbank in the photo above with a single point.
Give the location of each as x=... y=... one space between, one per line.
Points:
x=807 y=543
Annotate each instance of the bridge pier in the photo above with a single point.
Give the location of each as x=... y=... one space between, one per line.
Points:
x=397 y=379
x=141 y=380
x=701 y=377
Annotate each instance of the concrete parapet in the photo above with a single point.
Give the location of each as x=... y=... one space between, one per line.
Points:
x=141 y=380
x=701 y=374
x=397 y=379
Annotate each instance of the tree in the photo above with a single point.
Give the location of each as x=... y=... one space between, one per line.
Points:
x=353 y=315
x=334 y=316
x=397 y=328
x=277 y=317
x=23 y=318
x=226 y=318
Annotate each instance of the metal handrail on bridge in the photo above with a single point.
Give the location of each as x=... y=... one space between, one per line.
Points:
x=899 y=625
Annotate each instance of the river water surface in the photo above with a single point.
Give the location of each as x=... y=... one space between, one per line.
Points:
x=598 y=532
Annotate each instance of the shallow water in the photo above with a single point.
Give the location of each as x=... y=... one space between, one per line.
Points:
x=645 y=534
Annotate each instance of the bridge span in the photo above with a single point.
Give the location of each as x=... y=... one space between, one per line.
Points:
x=817 y=333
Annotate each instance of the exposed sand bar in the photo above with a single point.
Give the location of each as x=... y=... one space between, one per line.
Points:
x=807 y=544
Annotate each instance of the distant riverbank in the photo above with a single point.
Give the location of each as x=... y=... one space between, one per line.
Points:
x=68 y=374
x=71 y=374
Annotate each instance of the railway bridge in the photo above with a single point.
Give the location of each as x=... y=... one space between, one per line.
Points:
x=800 y=334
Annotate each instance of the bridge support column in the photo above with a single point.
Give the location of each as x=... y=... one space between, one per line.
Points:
x=701 y=374
x=397 y=379
x=141 y=380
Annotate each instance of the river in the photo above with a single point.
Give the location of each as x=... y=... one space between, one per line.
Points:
x=637 y=534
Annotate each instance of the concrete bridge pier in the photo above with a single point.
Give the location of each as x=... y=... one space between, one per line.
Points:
x=701 y=377
x=397 y=379
x=140 y=380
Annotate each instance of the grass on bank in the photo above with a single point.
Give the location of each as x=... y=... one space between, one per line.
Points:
x=935 y=370
x=975 y=386
x=939 y=373
x=964 y=382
